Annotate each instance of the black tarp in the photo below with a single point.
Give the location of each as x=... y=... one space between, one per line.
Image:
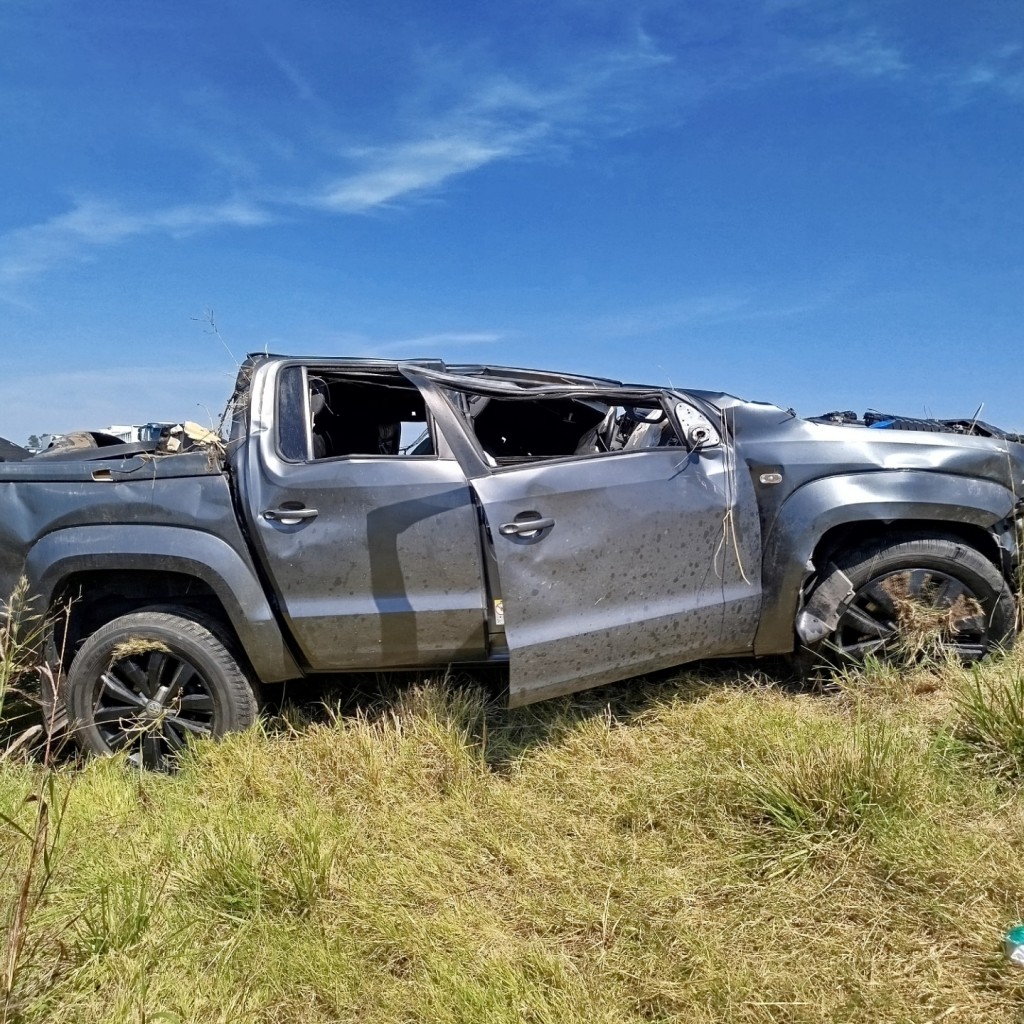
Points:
x=11 y=452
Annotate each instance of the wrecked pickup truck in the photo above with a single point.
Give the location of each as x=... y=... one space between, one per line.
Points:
x=362 y=514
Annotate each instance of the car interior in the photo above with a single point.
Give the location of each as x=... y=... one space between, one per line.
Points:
x=380 y=413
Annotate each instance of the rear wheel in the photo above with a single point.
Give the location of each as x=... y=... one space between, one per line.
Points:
x=150 y=682
x=913 y=597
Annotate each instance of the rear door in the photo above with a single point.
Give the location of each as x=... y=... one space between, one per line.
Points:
x=372 y=548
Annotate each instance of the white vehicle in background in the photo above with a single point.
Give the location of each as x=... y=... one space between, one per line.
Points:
x=151 y=433
x=137 y=431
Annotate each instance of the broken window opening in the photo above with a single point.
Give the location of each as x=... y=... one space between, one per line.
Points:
x=517 y=430
x=375 y=414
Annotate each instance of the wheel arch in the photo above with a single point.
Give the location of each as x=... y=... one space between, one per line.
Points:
x=101 y=572
x=830 y=514
x=856 y=532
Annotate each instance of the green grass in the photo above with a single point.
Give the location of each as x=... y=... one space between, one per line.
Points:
x=687 y=849
x=991 y=706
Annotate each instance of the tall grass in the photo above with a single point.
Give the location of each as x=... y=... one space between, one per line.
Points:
x=31 y=822
x=685 y=849
x=991 y=718
x=822 y=789
x=21 y=631
x=30 y=870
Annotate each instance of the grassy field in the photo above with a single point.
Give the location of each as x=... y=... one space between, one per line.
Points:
x=702 y=847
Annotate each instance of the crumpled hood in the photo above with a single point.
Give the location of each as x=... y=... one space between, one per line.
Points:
x=808 y=449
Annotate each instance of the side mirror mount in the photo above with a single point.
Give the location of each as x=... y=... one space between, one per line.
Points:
x=698 y=431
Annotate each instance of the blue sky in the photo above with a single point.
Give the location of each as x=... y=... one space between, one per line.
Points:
x=819 y=204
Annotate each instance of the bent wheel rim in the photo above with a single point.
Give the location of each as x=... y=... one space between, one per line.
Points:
x=152 y=704
x=883 y=611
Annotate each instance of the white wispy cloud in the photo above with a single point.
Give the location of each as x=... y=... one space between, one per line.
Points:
x=1001 y=71
x=700 y=311
x=664 y=316
x=496 y=118
x=94 y=224
x=298 y=81
x=500 y=118
x=866 y=53
x=395 y=172
x=863 y=53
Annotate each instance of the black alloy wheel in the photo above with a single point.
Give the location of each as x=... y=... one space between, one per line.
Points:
x=874 y=620
x=152 y=702
x=150 y=682
x=935 y=592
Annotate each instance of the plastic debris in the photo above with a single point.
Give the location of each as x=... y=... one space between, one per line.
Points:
x=1013 y=945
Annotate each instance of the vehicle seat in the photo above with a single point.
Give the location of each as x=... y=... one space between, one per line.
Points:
x=598 y=438
x=317 y=408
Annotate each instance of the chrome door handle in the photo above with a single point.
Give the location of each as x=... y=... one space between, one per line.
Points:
x=288 y=516
x=525 y=527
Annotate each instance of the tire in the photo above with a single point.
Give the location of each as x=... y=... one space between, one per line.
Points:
x=968 y=606
x=149 y=682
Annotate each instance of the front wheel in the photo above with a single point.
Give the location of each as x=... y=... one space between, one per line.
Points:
x=151 y=681
x=913 y=597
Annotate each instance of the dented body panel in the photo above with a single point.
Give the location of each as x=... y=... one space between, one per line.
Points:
x=835 y=476
x=369 y=514
x=631 y=576
x=174 y=515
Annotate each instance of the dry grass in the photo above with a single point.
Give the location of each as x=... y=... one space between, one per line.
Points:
x=925 y=627
x=22 y=630
x=688 y=849
x=135 y=646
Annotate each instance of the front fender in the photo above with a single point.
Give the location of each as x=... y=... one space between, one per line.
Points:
x=884 y=496
x=56 y=556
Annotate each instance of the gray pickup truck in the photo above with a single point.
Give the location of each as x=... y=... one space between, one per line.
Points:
x=363 y=514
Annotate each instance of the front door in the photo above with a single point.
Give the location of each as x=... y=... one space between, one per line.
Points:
x=615 y=557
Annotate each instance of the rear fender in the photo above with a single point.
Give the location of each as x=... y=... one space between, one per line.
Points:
x=58 y=555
